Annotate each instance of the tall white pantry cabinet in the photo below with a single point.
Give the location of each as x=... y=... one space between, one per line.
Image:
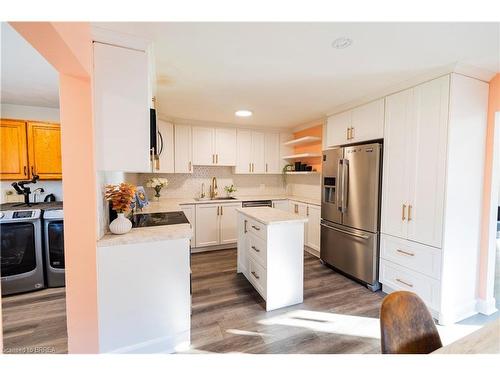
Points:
x=434 y=139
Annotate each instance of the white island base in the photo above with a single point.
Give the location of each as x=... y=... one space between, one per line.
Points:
x=271 y=254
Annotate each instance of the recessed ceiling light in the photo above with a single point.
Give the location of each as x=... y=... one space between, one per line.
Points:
x=243 y=113
x=341 y=43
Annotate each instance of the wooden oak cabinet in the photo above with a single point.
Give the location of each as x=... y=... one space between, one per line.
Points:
x=29 y=148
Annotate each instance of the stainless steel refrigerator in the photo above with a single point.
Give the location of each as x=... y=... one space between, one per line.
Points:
x=350 y=211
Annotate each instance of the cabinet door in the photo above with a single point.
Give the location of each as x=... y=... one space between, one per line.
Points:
x=281 y=205
x=428 y=165
x=207 y=224
x=368 y=122
x=336 y=129
x=165 y=148
x=189 y=211
x=44 y=150
x=203 y=146
x=228 y=223
x=225 y=146
x=396 y=155
x=13 y=150
x=243 y=152
x=300 y=209
x=258 y=158
x=272 y=153
x=121 y=109
x=183 y=149
x=313 y=226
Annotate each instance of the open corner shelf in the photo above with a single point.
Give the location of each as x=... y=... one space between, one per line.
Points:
x=302 y=172
x=303 y=156
x=302 y=141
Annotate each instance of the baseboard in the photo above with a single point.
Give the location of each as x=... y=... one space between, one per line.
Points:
x=486 y=307
x=165 y=345
x=213 y=248
x=312 y=251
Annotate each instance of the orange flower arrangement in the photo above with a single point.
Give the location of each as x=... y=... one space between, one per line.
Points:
x=120 y=196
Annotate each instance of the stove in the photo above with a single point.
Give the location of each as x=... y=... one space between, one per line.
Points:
x=159 y=218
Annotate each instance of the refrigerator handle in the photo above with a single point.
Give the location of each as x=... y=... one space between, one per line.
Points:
x=339 y=187
x=345 y=232
x=345 y=184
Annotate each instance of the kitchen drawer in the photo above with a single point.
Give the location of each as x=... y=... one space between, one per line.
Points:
x=397 y=277
x=257 y=276
x=256 y=246
x=415 y=256
x=254 y=227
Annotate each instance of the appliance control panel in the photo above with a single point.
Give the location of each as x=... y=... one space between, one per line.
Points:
x=19 y=215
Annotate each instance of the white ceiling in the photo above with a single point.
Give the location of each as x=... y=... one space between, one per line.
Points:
x=288 y=73
x=27 y=78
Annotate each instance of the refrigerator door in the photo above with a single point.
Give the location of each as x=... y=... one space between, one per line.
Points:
x=351 y=251
x=331 y=185
x=361 y=185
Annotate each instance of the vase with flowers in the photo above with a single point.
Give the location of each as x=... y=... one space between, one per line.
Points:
x=157 y=183
x=121 y=197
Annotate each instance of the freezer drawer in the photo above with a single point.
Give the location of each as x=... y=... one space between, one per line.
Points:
x=351 y=251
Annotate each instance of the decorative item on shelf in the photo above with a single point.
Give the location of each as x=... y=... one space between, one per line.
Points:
x=157 y=183
x=141 y=199
x=229 y=190
x=121 y=198
x=286 y=168
x=297 y=166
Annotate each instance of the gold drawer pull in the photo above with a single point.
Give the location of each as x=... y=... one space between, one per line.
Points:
x=257 y=250
x=409 y=212
x=255 y=275
x=405 y=253
x=405 y=283
x=245 y=226
x=256 y=228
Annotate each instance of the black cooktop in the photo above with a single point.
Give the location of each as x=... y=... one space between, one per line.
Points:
x=160 y=218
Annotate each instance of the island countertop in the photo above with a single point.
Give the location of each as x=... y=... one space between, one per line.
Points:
x=147 y=234
x=269 y=216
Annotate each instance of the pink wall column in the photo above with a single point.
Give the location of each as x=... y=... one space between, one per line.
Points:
x=68 y=47
x=493 y=107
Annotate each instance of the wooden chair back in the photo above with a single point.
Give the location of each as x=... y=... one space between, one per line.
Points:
x=407 y=326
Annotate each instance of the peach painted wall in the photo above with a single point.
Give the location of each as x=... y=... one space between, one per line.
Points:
x=316 y=131
x=68 y=47
x=493 y=106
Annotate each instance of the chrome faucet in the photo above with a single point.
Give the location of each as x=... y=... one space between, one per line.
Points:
x=213 y=188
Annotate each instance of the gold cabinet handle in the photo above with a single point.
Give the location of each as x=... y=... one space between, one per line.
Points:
x=255 y=275
x=296 y=209
x=190 y=165
x=218 y=210
x=307 y=210
x=249 y=167
x=404 y=282
x=405 y=253
x=253 y=168
x=216 y=158
x=348 y=130
x=245 y=226
x=255 y=249
x=221 y=212
x=409 y=212
x=266 y=167
x=403 y=213
x=352 y=133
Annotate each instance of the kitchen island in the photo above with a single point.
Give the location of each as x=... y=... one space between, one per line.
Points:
x=271 y=254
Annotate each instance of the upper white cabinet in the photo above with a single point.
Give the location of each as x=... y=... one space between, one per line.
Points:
x=214 y=146
x=257 y=152
x=415 y=162
x=183 y=150
x=121 y=108
x=363 y=123
x=165 y=142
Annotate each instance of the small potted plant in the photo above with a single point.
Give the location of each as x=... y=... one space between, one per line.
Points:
x=121 y=197
x=229 y=190
x=157 y=183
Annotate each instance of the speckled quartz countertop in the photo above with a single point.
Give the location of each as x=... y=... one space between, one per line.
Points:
x=147 y=234
x=269 y=216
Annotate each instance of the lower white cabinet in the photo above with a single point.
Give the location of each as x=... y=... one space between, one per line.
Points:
x=312 y=227
x=281 y=204
x=216 y=224
x=190 y=211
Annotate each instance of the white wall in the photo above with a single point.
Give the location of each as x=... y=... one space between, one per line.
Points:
x=24 y=112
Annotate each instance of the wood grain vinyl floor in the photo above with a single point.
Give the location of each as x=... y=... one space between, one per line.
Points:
x=228 y=316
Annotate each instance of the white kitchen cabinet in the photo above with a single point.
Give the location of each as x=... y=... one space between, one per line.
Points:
x=190 y=212
x=272 y=153
x=183 y=149
x=281 y=204
x=257 y=152
x=313 y=214
x=300 y=209
x=415 y=157
x=165 y=142
x=363 y=123
x=432 y=194
x=214 y=146
x=216 y=224
x=121 y=108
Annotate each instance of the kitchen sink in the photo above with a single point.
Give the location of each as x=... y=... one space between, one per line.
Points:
x=214 y=199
